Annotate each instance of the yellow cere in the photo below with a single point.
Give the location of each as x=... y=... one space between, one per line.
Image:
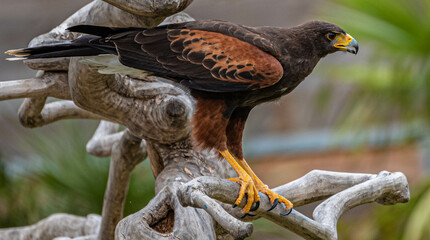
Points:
x=342 y=40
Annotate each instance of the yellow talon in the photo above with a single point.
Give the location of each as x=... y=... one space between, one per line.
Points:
x=273 y=196
x=246 y=187
x=245 y=181
x=261 y=187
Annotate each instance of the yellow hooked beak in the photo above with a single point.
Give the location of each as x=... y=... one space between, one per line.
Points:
x=345 y=43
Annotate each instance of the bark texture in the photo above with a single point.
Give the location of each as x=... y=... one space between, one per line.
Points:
x=192 y=200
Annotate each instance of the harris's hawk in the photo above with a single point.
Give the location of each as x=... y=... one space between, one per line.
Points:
x=229 y=68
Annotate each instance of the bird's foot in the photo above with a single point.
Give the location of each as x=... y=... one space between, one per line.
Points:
x=275 y=198
x=246 y=187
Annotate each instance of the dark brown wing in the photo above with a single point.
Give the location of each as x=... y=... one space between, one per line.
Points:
x=200 y=59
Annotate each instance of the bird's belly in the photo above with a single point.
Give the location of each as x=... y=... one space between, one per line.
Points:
x=251 y=98
x=266 y=94
x=253 y=101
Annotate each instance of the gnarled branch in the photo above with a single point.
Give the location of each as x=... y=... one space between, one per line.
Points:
x=151 y=8
x=106 y=135
x=34 y=113
x=125 y=156
x=57 y=225
x=53 y=84
x=163 y=218
x=347 y=191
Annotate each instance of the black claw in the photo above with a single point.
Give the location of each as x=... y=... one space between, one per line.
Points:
x=256 y=206
x=234 y=205
x=247 y=214
x=287 y=213
x=274 y=204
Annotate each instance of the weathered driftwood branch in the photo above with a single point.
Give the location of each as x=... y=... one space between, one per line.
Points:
x=348 y=190
x=97 y=12
x=125 y=156
x=52 y=84
x=106 y=135
x=385 y=188
x=57 y=225
x=159 y=111
x=151 y=8
x=34 y=113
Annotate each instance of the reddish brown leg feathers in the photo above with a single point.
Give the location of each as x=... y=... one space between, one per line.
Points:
x=209 y=124
x=234 y=131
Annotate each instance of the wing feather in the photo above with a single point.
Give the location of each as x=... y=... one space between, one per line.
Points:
x=204 y=60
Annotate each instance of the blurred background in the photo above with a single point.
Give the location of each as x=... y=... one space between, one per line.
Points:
x=364 y=113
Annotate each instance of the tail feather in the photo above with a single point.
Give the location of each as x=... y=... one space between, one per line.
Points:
x=22 y=52
x=53 y=51
x=15 y=59
x=89 y=45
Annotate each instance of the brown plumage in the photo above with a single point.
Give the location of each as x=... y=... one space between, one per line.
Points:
x=243 y=63
x=229 y=69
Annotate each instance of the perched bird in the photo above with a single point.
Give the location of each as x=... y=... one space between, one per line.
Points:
x=229 y=69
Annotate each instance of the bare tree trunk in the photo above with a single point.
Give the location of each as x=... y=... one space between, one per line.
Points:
x=192 y=200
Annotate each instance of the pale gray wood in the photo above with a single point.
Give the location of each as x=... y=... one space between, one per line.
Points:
x=151 y=7
x=126 y=154
x=106 y=135
x=44 y=84
x=31 y=115
x=347 y=190
x=90 y=237
x=56 y=225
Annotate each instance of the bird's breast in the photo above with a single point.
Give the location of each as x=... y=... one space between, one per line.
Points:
x=255 y=97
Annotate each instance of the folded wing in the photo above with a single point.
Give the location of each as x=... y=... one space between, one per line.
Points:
x=200 y=59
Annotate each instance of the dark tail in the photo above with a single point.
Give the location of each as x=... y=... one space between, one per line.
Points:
x=88 y=45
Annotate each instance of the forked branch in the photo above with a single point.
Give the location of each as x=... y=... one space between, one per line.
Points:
x=346 y=191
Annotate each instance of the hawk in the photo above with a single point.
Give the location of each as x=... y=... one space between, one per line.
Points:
x=229 y=69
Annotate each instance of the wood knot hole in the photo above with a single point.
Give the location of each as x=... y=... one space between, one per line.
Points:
x=175 y=108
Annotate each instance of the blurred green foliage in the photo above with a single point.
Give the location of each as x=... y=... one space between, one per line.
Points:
x=62 y=177
x=392 y=83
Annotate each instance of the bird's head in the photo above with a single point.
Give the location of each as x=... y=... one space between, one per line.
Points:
x=328 y=38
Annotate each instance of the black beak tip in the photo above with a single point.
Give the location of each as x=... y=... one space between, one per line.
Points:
x=355 y=50
x=353 y=47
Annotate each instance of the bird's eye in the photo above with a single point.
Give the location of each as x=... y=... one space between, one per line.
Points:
x=331 y=36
